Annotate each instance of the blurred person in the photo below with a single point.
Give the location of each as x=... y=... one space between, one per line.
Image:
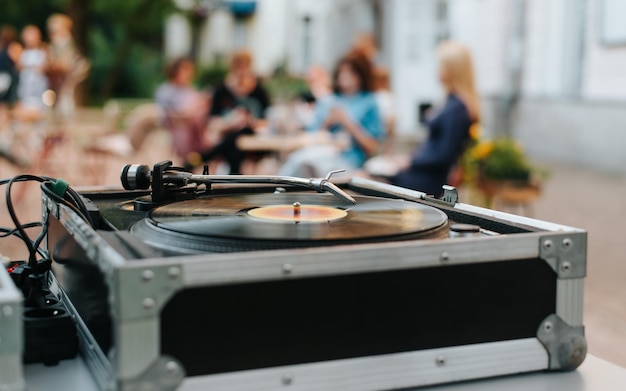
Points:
x=239 y=107
x=10 y=51
x=66 y=67
x=33 y=82
x=384 y=99
x=449 y=130
x=318 y=82
x=365 y=43
x=184 y=108
x=352 y=118
x=319 y=87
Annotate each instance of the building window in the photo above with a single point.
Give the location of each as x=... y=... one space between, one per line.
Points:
x=612 y=27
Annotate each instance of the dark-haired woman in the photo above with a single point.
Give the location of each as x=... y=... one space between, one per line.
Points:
x=352 y=118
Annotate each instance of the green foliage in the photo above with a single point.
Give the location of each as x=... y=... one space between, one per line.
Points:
x=19 y=13
x=499 y=160
x=139 y=20
x=284 y=88
x=124 y=39
x=139 y=76
x=127 y=44
x=506 y=162
x=212 y=74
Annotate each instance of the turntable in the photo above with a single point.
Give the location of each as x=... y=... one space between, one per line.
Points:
x=185 y=281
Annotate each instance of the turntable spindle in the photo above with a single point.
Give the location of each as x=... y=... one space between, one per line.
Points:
x=297 y=209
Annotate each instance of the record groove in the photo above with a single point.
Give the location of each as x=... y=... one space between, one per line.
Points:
x=224 y=224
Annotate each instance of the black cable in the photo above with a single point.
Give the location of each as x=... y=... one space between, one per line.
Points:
x=6 y=232
x=78 y=201
x=14 y=232
x=69 y=198
x=43 y=178
x=42 y=235
x=32 y=253
x=65 y=202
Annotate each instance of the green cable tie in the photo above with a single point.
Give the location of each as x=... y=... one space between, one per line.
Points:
x=59 y=187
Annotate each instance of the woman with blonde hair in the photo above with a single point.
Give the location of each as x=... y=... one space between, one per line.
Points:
x=449 y=130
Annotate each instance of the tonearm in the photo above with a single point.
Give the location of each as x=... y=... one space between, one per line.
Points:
x=164 y=176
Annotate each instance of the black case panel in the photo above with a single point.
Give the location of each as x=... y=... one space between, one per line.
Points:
x=257 y=325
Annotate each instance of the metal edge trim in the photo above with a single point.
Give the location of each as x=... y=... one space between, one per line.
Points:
x=569 y=300
x=392 y=371
x=413 y=195
x=98 y=364
x=539 y=224
x=89 y=240
x=311 y=262
x=11 y=330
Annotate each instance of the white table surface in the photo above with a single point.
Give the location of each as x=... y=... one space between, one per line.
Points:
x=594 y=374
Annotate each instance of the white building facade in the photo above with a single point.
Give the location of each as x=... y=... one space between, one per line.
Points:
x=297 y=33
x=550 y=71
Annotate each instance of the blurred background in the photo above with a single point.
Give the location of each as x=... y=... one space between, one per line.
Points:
x=549 y=73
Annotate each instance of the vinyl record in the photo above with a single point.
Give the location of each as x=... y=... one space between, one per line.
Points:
x=263 y=221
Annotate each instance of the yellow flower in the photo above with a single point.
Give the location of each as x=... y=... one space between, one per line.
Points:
x=482 y=150
x=475 y=131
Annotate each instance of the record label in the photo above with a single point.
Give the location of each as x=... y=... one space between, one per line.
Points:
x=298 y=213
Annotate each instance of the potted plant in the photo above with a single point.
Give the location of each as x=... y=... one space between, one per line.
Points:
x=500 y=169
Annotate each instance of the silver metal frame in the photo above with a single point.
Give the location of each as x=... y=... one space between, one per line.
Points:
x=11 y=335
x=98 y=364
x=141 y=289
x=391 y=371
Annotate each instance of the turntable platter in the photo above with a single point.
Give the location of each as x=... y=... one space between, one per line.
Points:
x=261 y=221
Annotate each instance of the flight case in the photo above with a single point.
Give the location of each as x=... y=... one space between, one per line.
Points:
x=367 y=316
